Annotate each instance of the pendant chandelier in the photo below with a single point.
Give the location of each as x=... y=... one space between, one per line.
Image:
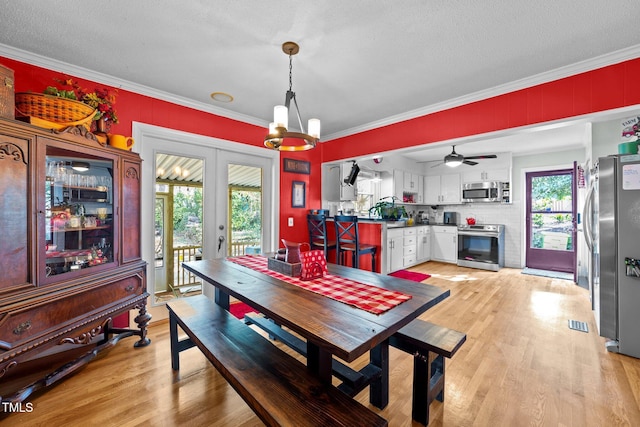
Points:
x=278 y=129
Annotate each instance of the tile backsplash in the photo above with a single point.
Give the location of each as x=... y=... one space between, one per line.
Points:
x=489 y=213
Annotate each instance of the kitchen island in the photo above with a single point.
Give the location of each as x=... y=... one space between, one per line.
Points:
x=398 y=245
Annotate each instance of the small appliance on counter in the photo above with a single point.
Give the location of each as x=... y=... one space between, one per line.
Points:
x=422 y=218
x=450 y=218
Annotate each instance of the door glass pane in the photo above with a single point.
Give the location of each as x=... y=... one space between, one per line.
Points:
x=552 y=231
x=178 y=225
x=159 y=232
x=551 y=212
x=245 y=210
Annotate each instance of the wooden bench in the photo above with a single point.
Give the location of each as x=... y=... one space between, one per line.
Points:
x=353 y=382
x=277 y=387
x=429 y=344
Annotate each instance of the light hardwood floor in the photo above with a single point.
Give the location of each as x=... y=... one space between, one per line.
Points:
x=521 y=366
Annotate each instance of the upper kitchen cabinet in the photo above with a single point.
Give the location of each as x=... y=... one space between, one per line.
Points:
x=442 y=189
x=406 y=187
x=498 y=169
x=483 y=175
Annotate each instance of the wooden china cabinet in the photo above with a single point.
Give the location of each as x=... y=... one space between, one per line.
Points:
x=70 y=256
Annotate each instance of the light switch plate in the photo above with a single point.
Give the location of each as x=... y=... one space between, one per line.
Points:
x=290 y=222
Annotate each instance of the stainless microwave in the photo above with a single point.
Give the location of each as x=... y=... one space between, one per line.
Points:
x=474 y=192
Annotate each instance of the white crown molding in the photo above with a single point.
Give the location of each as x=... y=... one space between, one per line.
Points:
x=63 y=67
x=559 y=73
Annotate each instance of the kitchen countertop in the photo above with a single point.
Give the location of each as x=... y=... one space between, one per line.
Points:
x=394 y=224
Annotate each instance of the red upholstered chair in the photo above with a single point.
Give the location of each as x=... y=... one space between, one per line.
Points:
x=318 y=238
x=348 y=241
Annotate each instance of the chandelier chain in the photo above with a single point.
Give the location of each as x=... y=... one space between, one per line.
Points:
x=290 y=71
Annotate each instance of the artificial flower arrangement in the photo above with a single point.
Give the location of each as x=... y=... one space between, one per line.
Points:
x=100 y=99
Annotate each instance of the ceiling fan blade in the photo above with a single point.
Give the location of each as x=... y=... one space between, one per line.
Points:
x=468 y=162
x=486 y=156
x=437 y=164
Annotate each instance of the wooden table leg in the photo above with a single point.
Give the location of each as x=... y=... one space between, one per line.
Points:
x=319 y=362
x=222 y=299
x=379 y=388
x=173 y=339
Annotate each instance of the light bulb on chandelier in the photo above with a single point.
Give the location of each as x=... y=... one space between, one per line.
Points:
x=278 y=129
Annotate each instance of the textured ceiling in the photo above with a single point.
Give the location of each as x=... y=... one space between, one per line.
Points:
x=362 y=63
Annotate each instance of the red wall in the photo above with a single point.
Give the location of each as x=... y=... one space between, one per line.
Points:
x=603 y=89
x=134 y=107
x=598 y=90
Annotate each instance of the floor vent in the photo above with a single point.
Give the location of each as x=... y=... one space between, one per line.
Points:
x=578 y=326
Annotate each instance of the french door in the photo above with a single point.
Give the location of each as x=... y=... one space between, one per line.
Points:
x=216 y=158
x=551 y=220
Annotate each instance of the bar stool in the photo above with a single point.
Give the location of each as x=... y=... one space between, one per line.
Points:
x=318 y=233
x=348 y=240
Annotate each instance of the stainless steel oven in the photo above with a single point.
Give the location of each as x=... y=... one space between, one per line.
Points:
x=489 y=191
x=481 y=246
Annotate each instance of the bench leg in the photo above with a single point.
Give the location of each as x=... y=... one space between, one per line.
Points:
x=173 y=339
x=379 y=388
x=428 y=384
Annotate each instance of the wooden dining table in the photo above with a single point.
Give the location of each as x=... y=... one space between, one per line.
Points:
x=330 y=328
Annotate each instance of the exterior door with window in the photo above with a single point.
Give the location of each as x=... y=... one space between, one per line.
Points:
x=551 y=220
x=242 y=211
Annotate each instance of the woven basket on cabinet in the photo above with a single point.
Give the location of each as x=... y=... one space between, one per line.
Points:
x=58 y=112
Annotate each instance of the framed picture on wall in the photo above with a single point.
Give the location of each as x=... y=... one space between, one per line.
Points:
x=298 y=194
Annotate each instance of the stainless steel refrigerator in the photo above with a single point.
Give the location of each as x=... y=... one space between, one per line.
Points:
x=612 y=230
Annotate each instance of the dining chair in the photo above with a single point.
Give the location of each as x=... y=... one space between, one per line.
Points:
x=318 y=233
x=348 y=241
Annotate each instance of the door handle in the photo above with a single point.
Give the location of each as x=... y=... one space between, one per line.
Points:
x=220 y=242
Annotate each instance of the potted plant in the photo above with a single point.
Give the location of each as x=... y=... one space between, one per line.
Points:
x=388 y=210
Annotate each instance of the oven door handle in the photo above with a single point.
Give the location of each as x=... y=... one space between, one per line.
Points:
x=480 y=234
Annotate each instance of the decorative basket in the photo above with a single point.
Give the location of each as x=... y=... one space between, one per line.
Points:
x=293 y=270
x=57 y=112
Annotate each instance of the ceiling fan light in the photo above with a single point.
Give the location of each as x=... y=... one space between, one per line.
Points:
x=453 y=163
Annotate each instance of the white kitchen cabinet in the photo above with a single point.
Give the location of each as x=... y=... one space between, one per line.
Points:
x=411 y=182
x=395 y=249
x=398 y=184
x=409 y=246
x=444 y=243
x=480 y=175
x=442 y=189
x=424 y=244
x=404 y=184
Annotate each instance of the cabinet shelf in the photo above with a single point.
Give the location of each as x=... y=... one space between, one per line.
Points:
x=97 y=227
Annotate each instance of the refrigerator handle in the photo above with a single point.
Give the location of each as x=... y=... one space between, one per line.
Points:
x=587 y=216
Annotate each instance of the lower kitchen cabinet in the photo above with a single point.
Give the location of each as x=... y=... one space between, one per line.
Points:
x=444 y=246
x=424 y=244
x=409 y=249
x=395 y=249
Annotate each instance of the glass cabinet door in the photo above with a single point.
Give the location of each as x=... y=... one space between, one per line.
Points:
x=79 y=212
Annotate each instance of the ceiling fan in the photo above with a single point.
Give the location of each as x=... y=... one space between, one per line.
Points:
x=454 y=159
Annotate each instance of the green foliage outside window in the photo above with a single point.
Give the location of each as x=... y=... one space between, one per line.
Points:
x=246 y=220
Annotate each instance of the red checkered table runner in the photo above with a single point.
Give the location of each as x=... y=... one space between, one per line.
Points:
x=366 y=297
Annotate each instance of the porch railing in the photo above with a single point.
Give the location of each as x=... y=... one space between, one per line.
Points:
x=244 y=247
x=183 y=279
